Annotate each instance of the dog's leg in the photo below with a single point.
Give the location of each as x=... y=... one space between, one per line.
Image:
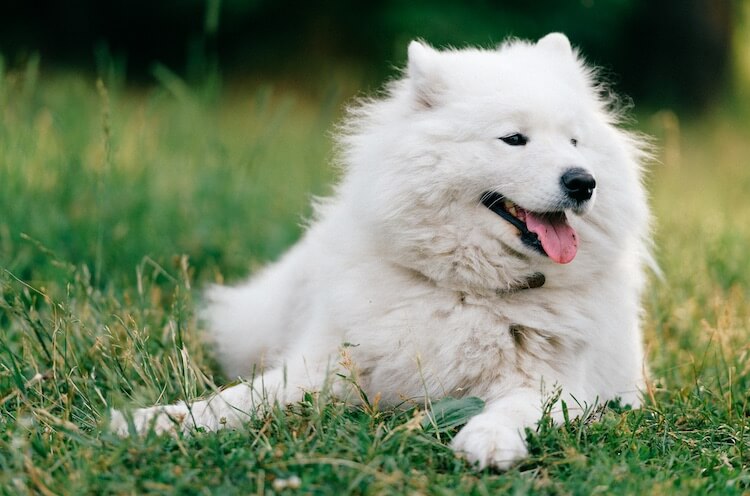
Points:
x=229 y=408
x=496 y=437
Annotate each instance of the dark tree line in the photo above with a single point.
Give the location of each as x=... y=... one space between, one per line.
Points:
x=666 y=52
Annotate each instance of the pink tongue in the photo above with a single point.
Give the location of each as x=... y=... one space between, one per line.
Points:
x=558 y=239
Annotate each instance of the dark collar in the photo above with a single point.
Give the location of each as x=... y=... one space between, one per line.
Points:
x=535 y=280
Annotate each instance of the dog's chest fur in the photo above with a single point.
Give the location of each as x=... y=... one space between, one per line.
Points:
x=435 y=342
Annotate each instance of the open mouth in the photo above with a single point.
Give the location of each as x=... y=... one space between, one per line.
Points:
x=547 y=233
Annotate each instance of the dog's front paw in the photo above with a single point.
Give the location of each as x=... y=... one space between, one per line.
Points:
x=486 y=441
x=160 y=419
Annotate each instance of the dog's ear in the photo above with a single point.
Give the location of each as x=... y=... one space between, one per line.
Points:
x=556 y=42
x=424 y=74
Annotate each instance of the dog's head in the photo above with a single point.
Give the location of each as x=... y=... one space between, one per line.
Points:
x=494 y=164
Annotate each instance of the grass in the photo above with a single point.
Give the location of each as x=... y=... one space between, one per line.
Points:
x=118 y=205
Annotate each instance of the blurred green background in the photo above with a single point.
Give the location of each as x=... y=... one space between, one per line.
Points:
x=211 y=126
x=207 y=108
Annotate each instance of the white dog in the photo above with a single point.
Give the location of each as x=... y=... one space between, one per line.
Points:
x=488 y=238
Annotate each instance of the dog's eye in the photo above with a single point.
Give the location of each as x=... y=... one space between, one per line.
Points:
x=573 y=141
x=515 y=139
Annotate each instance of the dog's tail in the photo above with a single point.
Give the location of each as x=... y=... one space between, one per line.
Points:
x=253 y=324
x=230 y=316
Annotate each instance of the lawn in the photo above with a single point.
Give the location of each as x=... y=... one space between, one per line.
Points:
x=117 y=205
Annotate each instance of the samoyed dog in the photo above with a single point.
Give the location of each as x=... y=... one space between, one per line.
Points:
x=488 y=238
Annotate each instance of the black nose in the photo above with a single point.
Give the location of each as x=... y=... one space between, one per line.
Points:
x=578 y=184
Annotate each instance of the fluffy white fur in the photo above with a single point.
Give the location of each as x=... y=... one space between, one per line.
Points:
x=427 y=284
